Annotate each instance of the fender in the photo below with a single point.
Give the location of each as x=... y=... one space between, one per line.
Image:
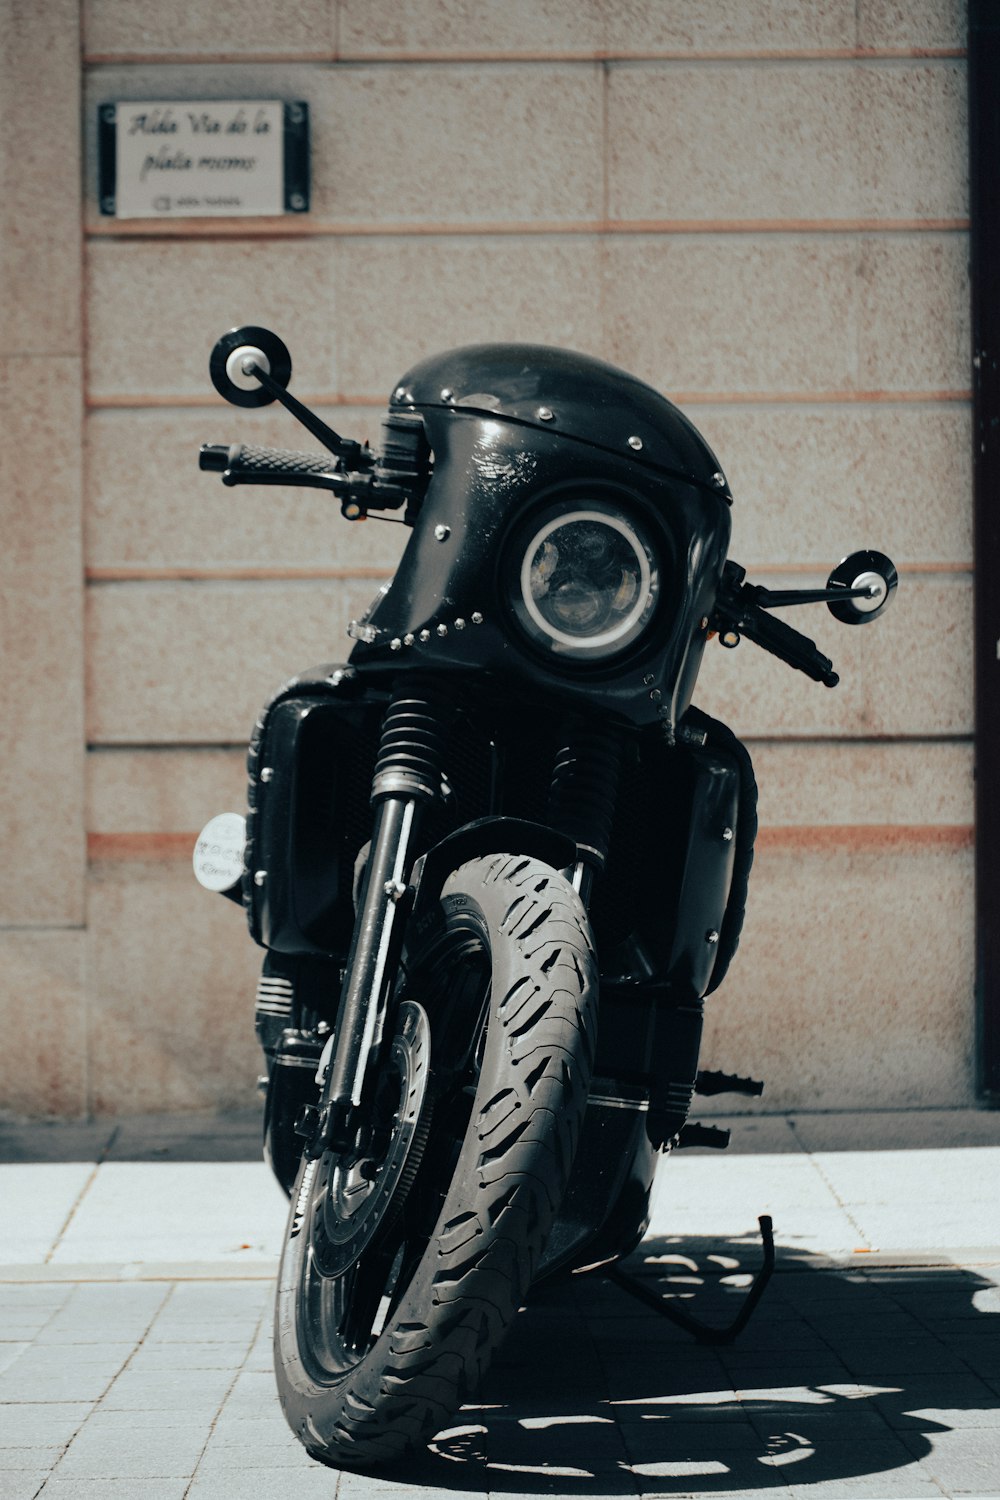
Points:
x=483 y=836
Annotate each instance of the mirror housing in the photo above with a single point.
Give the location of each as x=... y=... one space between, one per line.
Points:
x=871 y=570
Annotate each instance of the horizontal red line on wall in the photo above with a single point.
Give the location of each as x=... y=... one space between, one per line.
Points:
x=571 y=55
x=868 y=837
x=131 y=574
x=133 y=401
x=210 y=575
x=297 y=227
x=858 y=837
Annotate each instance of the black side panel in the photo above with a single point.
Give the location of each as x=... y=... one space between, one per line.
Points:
x=670 y=905
x=310 y=767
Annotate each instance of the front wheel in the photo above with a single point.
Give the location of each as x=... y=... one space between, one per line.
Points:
x=402 y=1271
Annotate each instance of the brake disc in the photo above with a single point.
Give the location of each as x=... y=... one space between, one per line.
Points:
x=356 y=1196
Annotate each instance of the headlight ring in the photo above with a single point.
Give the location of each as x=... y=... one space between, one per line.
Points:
x=585 y=579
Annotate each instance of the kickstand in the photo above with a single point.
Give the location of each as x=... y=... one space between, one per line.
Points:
x=704 y=1332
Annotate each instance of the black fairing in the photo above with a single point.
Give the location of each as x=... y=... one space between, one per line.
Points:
x=497 y=458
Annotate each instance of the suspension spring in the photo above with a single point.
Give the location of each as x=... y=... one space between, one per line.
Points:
x=411 y=750
x=584 y=788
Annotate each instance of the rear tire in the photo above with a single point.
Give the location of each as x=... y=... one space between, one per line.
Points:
x=508 y=980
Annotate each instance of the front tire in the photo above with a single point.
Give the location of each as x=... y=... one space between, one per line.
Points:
x=375 y=1356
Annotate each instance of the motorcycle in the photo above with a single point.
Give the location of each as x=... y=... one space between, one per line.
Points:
x=497 y=860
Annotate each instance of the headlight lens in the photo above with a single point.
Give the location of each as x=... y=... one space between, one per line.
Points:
x=587 y=582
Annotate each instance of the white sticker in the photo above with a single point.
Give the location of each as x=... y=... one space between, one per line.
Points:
x=218 y=852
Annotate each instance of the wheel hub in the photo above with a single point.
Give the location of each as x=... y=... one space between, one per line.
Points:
x=357 y=1194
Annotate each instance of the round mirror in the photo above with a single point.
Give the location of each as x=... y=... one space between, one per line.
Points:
x=872 y=571
x=238 y=354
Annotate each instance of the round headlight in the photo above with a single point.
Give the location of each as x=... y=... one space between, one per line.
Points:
x=587 y=581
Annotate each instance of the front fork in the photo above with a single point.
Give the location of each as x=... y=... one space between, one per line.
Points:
x=407 y=777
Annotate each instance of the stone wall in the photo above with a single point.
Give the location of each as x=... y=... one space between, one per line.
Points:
x=760 y=207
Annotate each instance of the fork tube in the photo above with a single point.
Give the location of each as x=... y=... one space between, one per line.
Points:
x=407 y=777
x=363 y=1001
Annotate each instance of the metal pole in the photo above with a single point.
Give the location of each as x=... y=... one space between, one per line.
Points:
x=984 y=185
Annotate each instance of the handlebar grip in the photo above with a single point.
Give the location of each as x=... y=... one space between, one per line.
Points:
x=789 y=644
x=244 y=464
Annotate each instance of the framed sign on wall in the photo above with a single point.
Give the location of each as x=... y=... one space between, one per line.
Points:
x=198 y=158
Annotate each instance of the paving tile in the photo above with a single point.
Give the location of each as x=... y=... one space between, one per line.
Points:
x=189 y=1356
x=22 y=1460
x=41 y=1424
x=252 y=1394
x=10 y=1352
x=24 y=1485
x=132 y=1488
x=38 y=1198
x=130 y=1213
x=53 y=1373
x=168 y=1390
x=961 y=1459
x=94 y=1313
x=305 y=1480
x=103 y=1453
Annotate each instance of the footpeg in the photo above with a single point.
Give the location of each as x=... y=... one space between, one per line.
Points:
x=696 y=1134
x=727 y=1083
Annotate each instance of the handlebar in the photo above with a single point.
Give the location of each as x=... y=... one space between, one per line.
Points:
x=358 y=492
x=243 y=464
x=740 y=612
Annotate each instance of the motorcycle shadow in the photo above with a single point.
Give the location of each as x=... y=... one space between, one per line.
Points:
x=840 y=1374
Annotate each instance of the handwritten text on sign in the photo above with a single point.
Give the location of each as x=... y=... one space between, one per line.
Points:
x=197 y=158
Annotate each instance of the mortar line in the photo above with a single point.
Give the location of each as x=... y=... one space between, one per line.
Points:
x=102 y=1157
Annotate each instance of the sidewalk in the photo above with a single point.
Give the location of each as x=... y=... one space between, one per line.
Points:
x=136 y=1263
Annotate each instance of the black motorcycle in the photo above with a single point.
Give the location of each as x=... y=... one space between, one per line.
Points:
x=497 y=860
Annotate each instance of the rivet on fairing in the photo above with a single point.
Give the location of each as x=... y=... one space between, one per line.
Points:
x=477 y=618
x=719 y=480
x=727 y=835
x=545 y=414
x=447 y=394
x=267 y=773
x=442 y=629
x=259 y=877
x=711 y=936
x=636 y=443
x=442 y=533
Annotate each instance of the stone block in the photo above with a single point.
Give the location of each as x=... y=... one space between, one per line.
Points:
x=193 y=663
x=915 y=782
x=172 y=974
x=456 y=144
x=151 y=791
x=149 y=507
x=39 y=177
x=242 y=28
x=404 y=299
x=754 y=28
x=41 y=737
x=795 y=314
x=562 y=28
x=913 y=24
x=838 y=140
x=43 y=1064
x=913 y=311
x=453 y=28
x=812 y=483
x=155 y=310
x=853 y=981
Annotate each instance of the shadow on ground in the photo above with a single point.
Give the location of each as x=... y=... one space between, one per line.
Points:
x=842 y=1375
